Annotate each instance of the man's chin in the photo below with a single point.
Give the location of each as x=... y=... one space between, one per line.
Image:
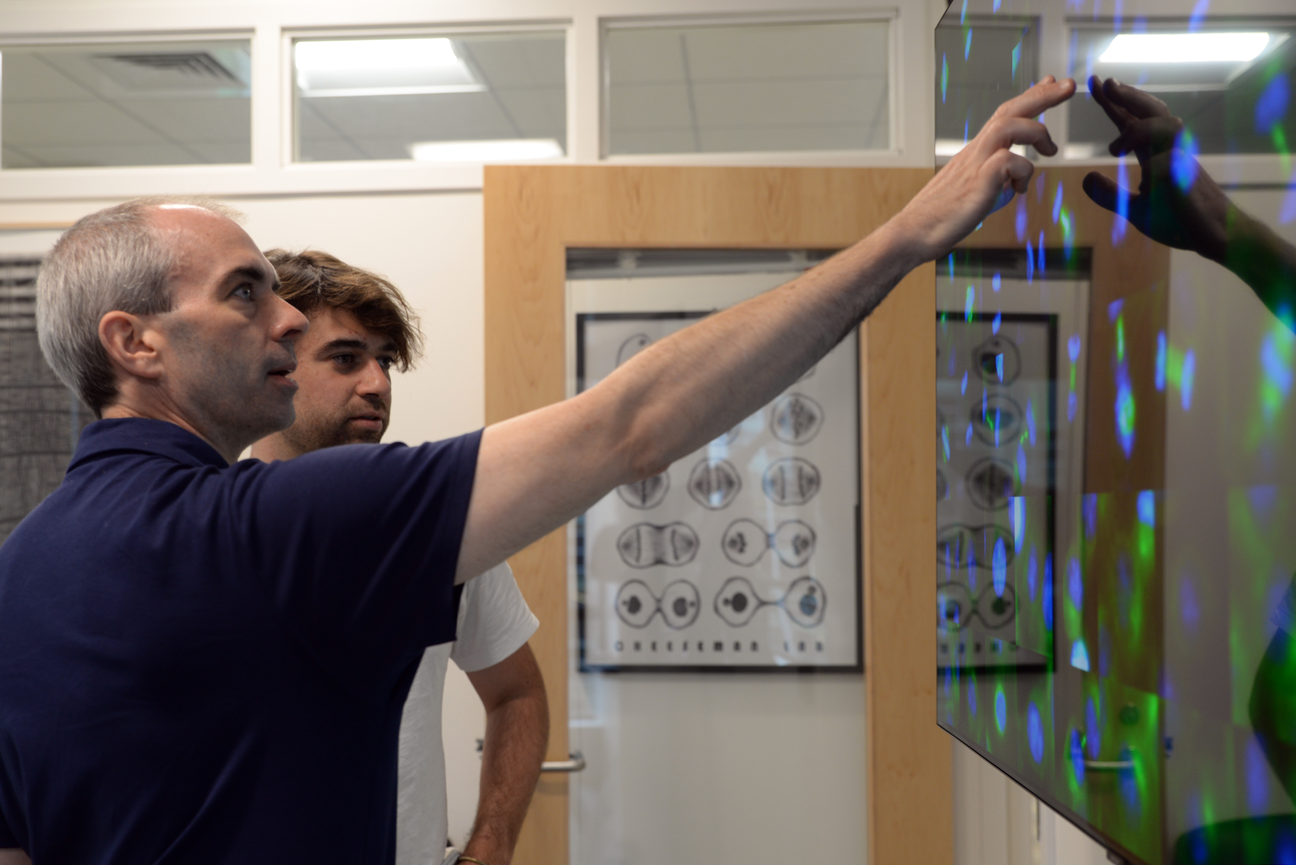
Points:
x=361 y=437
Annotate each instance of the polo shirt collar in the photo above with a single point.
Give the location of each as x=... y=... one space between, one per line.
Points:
x=143 y=435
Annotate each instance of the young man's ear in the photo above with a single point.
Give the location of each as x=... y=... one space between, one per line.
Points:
x=131 y=344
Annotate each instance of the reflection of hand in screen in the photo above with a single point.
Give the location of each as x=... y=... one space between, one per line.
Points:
x=983 y=176
x=1177 y=203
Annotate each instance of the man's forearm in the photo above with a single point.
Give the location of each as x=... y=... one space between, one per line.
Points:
x=516 y=734
x=538 y=471
x=670 y=399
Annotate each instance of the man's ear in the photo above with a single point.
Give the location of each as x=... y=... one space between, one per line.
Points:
x=131 y=344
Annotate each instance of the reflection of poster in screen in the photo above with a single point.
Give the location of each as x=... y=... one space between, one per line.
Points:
x=994 y=488
x=742 y=554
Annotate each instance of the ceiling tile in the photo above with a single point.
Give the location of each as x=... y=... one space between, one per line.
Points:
x=329 y=150
x=539 y=113
x=644 y=56
x=515 y=61
x=28 y=124
x=645 y=141
x=222 y=152
x=96 y=154
x=213 y=120
x=11 y=157
x=24 y=77
x=782 y=103
x=782 y=51
x=406 y=119
x=790 y=138
x=650 y=106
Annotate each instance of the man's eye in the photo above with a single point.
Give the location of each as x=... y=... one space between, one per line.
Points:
x=343 y=358
x=386 y=362
x=243 y=292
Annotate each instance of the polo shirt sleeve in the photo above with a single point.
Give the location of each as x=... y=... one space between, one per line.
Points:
x=358 y=547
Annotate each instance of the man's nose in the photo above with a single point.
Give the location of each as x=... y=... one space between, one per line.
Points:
x=374 y=380
x=290 y=322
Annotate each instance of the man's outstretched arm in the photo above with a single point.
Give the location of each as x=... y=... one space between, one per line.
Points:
x=14 y=856
x=517 y=730
x=537 y=471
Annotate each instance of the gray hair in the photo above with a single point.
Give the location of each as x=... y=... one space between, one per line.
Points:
x=114 y=259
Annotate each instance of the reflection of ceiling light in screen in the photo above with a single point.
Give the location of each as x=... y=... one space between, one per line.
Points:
x=1185 y=47
x=381 y=67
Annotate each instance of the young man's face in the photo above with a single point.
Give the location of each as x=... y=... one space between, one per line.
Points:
x=344 y=383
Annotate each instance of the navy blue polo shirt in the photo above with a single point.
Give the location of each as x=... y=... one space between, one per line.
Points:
x=202 y=663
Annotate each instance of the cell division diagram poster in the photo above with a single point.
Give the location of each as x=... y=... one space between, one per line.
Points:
x=745 y=553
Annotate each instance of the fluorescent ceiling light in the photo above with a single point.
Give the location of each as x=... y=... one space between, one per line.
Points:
x=515 y=150
x=1185 y=47
x=381 y=67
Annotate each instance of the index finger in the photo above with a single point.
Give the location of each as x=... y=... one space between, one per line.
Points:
x=1116 y=113
x=1037 y=99
x=1133 y=101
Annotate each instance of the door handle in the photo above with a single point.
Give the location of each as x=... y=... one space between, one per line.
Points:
x=575 y=764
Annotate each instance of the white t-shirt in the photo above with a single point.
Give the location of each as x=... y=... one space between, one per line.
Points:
x=494 y=622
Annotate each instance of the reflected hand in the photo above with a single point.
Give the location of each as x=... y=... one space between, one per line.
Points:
x=983 y=176
x=1177 y=203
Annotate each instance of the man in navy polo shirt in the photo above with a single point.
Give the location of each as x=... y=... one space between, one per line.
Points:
x=203 y=660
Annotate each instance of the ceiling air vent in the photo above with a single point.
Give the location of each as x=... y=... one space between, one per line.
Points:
x=195 y=63
x=171 y=73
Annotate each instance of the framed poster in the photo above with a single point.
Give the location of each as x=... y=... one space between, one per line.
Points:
x=1009 y=441
x=744 y=554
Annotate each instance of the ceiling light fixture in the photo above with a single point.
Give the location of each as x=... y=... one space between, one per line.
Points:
x=504 y=150
x=381 y=67
x=1185 y=47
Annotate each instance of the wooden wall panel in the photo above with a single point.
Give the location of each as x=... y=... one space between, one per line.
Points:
x=533 y=214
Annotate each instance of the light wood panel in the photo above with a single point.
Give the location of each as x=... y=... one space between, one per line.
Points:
x=532 y=215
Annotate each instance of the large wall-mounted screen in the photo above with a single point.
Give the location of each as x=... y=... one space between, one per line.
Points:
x=1116 y=434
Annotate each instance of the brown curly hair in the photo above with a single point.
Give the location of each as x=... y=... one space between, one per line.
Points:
x=312 y=279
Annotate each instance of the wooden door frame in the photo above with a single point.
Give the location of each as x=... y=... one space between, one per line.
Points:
x=533 y=214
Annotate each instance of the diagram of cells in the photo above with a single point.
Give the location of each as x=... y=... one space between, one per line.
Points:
x=953 y=605
x=632 y=346
x=647 y=493
x=804 y=602
x=636 y=604
x=678 y=605
x=998 y=360
x=991 y=483
x=714 y=483
x=997 y=421
x=745 y=542
x=956 y=608
x=793 y=542
x=792 y=481
x=796 y=419
x=962 y=546
x=644 y=545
